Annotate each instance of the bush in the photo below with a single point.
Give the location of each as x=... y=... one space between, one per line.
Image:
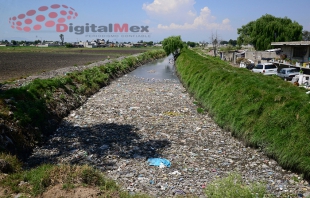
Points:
x=69 y=45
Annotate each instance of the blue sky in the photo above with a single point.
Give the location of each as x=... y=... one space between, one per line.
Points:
x=194 y=20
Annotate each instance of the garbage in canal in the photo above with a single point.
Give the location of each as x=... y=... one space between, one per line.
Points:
x=160 y=162
x=175 y=173
x=133 y=124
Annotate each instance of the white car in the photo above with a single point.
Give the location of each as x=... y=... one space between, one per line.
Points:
x=266 y=69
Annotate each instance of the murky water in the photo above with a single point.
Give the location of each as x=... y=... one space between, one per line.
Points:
x=159 y=70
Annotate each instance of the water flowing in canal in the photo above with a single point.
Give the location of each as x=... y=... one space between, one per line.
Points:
x=158 y=70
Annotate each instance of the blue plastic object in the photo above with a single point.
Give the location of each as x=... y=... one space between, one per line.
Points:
x=158 y=162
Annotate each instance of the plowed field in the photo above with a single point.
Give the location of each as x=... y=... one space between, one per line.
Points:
x=20 y=64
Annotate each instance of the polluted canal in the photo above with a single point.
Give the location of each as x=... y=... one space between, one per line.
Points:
x=143 y=131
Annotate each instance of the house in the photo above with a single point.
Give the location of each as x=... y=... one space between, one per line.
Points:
x=127 y=45
x=295 y=53
x=262 y=56
x=87 y=44
x=158 y=45
x=295 y=50
x=251 y=55
x=139 y=45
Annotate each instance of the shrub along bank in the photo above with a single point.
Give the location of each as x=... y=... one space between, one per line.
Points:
x=30 y=112
x=264 y=111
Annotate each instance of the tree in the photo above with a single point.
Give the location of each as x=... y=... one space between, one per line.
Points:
x=173 y=45
x=62 y=38
x=232 y=42
x=224 y=42
x=215 y=42
x=69 y=45
x=14 y=42
x=150 y=43
x=191 y=44
x=305 y=35
x=267 y=29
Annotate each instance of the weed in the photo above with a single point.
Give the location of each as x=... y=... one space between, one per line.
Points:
x=200 y=110
x=233 y=186
x=14 y=164
x=62 y=96
x=34 y=181
x=172 y=113
x=68 y=186
x=295 y=179
x=91 y=176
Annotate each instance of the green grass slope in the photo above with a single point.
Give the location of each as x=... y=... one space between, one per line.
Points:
x=263 y=111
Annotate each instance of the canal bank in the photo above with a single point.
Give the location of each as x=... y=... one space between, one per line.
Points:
x=137 y=117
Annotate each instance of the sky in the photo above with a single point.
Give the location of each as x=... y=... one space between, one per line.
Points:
x=136 y=20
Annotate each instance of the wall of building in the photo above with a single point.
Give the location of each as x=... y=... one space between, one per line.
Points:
x=260 y=56
x=289 y=51
x=289 y=47
x=227 y=56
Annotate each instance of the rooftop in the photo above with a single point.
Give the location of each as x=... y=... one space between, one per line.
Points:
x=291 y=43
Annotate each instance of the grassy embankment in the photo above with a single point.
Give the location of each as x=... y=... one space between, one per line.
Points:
x=264 y=111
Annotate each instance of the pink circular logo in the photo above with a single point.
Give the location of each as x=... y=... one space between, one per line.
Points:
x=44 y=16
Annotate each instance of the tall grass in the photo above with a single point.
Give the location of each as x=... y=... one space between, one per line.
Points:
x=264 y=111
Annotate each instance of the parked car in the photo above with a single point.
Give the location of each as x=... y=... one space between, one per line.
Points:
x=288 y=73
x=266 y=69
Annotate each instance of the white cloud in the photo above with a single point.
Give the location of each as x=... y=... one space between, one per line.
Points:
x=205 y=21
x=171 y=10
x=165 y=7
x=226 y=21
x=191 y=13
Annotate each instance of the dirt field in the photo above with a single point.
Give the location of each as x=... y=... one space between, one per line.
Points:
x=20 y=64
